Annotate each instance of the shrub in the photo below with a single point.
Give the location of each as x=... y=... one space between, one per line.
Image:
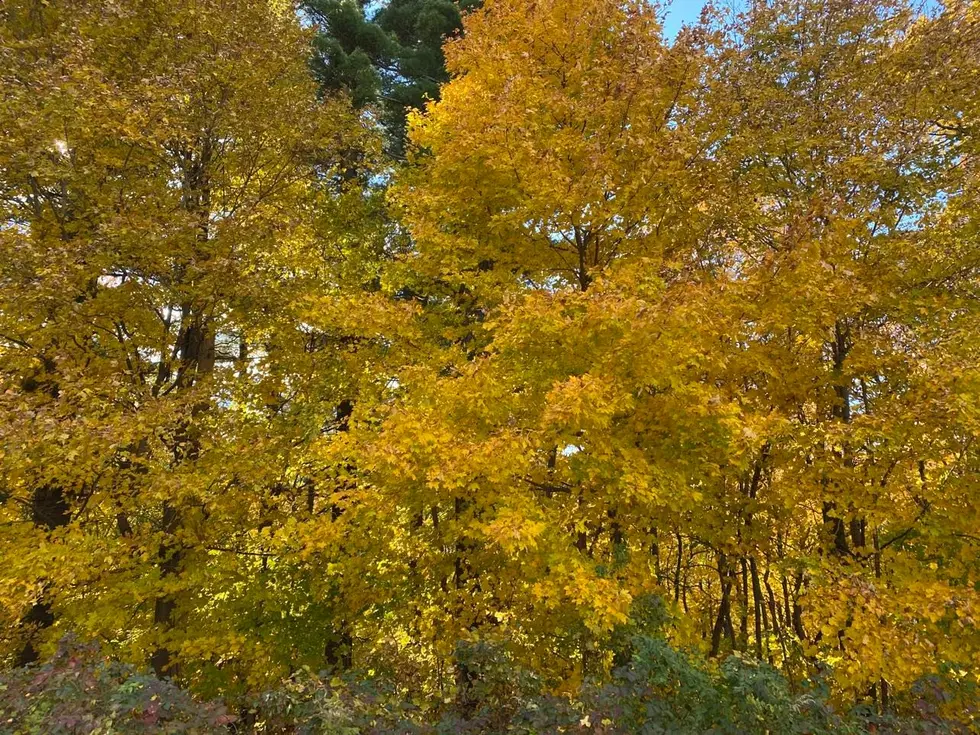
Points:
x=80 y=691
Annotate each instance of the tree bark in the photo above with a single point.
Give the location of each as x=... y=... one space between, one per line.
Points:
x=723 y=623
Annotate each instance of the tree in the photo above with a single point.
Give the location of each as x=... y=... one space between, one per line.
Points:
x=713 y=352
x=390 y=57
x=179 y=220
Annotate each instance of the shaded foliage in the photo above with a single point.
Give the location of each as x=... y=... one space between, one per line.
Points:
x=78 y=691
x=661 y=690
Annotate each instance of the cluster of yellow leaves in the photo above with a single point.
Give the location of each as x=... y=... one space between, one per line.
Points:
x=712 y=331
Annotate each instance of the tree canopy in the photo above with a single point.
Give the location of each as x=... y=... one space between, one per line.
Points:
x=488 y=369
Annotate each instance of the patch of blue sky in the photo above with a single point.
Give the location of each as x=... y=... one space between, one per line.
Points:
x=679 y=13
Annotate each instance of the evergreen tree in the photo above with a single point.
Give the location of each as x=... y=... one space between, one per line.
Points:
x=389 y=56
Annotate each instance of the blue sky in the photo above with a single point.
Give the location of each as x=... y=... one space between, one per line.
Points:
x=680 y=12
x=687 y=11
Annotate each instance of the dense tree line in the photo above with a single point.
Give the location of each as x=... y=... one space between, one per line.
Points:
x=432 y=346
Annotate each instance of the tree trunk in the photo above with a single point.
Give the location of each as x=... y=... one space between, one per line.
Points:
x=761 y=621
x=723 y=623
x=49 y=510
x=197 y=360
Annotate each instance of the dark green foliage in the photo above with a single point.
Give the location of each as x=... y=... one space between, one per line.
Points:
x=391 y=58
x=419 y=28
x=660 y=691
x=348 y=49
x=663 y=690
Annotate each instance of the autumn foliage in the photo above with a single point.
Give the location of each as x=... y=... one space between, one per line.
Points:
x=687 y=325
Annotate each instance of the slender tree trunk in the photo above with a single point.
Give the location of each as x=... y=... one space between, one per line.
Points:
x=164 y=606
x=677 y=568
x=798 y=610
x=759 y=610
x=761 y=621
x=338 y=651
x=197 y=345
x=743 y=603
x=655 y=553
x=49 y=510
x=835 y=530
x=723 y=623
x=466 y=676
